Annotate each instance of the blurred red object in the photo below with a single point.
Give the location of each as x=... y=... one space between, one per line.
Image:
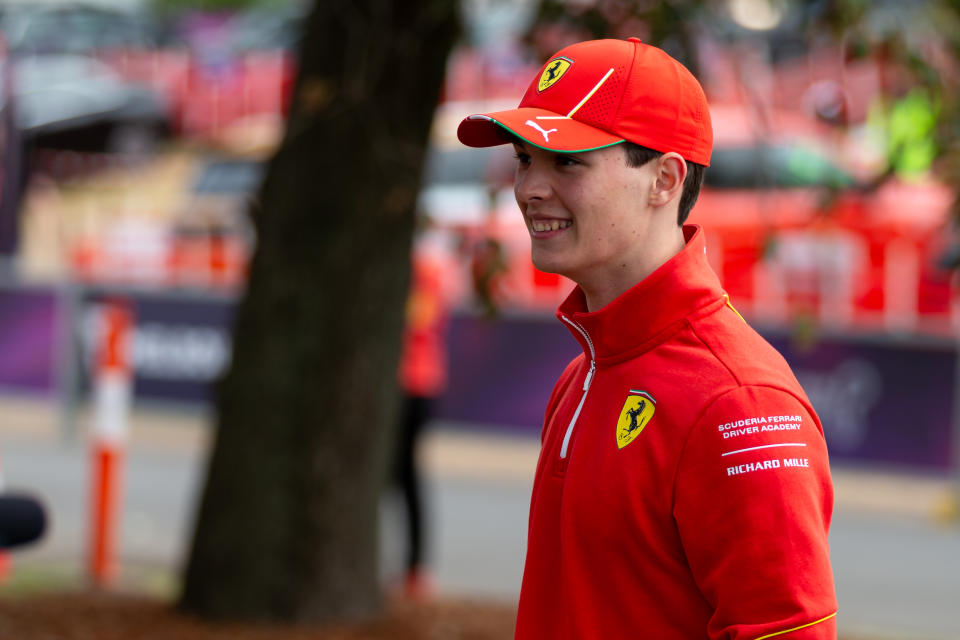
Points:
x=207 y=261
x=257 y=83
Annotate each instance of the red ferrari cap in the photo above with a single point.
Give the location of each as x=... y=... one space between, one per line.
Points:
x=598 y=93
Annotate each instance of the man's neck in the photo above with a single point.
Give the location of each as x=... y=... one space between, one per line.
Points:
x=605 y=288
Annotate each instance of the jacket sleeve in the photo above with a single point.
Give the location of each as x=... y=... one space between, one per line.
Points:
x=753 y=500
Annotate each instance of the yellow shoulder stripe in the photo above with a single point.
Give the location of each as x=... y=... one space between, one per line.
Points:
x=803 y=626
x=727 y=297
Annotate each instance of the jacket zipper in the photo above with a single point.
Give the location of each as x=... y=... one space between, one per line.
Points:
x=586 y=386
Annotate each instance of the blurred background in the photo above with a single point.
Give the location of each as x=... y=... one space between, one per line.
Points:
x=133 y=139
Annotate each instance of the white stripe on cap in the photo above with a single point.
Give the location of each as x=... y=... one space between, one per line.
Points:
x=592 y=91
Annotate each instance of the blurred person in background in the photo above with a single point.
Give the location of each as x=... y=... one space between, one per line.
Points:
x=488 y=258
x=683 y=488
x=488 y=266
x=422 y=377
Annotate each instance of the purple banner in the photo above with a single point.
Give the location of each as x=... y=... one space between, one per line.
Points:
x=180 y=344
x=27 y=338
x=502 y=372
x=880 y=400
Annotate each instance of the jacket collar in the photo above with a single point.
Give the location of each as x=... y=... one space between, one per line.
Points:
x=642 y=316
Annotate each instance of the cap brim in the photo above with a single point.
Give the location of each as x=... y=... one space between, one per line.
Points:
x=539 y=127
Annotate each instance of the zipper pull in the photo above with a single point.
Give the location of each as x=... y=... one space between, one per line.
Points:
x=589 y=378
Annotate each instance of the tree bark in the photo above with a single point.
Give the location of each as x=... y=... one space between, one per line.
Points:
x=287 y=523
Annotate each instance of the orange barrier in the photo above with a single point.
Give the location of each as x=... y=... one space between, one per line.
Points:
x=113 y=390
x=208 y=261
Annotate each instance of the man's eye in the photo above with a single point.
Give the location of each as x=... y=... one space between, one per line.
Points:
x=522 y=158
x=566 y=161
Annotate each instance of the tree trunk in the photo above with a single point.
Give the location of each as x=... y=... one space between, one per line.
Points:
x=287 y=524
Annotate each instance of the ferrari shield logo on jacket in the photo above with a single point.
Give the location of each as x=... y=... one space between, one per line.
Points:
x=636 y=413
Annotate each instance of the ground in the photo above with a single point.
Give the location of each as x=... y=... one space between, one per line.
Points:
x=104 y=616
x=101 y=616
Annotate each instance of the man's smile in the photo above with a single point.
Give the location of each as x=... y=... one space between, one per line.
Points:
x=550 y=225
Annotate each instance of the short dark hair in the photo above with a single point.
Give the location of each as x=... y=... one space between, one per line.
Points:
x=637 y=156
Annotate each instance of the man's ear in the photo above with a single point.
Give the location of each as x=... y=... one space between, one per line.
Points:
x=671 y=172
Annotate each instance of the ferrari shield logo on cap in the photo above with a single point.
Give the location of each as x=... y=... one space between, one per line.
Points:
x=636 y=413
x=553 y=72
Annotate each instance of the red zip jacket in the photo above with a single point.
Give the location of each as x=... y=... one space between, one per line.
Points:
x=683 y=490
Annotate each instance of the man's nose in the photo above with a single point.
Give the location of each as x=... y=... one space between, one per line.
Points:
x=531 y=184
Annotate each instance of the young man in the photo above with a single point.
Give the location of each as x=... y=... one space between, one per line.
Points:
x=683 y=489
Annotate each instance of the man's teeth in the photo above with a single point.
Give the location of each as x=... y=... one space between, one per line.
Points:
x=551 y=225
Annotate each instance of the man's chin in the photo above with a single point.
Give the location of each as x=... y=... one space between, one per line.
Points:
x=547 y=265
